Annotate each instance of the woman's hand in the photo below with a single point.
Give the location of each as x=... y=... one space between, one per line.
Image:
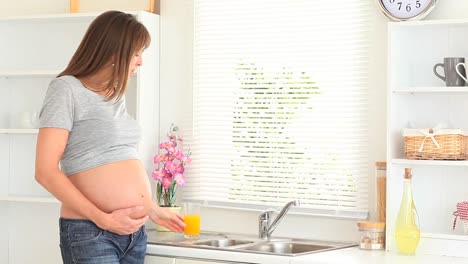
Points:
x=121 y=222
x=167 y=218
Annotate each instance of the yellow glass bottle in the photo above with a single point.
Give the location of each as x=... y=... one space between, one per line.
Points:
x=407 y=230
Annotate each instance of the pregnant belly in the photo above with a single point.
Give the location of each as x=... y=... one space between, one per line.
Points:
x=113 y=186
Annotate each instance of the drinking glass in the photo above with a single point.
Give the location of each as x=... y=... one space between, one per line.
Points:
x=191 y=213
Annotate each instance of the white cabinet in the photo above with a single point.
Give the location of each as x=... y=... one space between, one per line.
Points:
x=33 y=50
x=159 y=260
x=418 y=99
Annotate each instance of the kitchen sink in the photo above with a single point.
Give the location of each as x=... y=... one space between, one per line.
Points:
x=222 y=243
x=286 y=248
x=249 y=244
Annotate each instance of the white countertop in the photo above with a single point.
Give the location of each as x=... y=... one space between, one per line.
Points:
x=348 y=255
x=355 y=256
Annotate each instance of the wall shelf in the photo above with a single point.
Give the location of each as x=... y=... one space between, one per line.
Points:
x=431 y=162
x=28 y=199
x=429 y=89
x=19 y=131
x=445 y=236
x=16 y=74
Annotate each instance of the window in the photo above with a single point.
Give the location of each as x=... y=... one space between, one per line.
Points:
x=280 y=105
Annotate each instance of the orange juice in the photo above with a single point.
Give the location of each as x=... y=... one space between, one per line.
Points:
x=192 y=225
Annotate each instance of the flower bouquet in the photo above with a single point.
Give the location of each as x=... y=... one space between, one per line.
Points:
x=171 y=166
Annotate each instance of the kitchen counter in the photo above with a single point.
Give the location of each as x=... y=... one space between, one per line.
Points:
x=165 y=244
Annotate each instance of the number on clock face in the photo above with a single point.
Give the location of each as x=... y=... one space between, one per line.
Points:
x=405 y=8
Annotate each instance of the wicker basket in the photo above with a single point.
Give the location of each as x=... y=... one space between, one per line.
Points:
x=442 y=144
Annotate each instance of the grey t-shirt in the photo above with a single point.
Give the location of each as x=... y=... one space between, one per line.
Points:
x=101 y=131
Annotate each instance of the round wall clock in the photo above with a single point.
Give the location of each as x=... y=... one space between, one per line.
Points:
x=402 y=10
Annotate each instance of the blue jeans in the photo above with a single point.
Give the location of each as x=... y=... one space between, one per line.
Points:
x=81 y=241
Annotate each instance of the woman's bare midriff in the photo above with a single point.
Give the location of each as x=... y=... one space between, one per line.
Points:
x=113 y=186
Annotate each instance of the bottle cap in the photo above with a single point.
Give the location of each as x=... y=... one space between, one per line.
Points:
x=408 y=173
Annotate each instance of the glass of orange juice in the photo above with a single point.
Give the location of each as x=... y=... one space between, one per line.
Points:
x=191 y=212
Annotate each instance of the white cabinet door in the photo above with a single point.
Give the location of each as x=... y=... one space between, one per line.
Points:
x=159 y=260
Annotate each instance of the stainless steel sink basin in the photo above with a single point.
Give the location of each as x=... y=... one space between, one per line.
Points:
x=286 y=248
x=250 y=244
x=222 y=243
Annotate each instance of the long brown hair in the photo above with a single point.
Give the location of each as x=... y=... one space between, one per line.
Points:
x=113 y=38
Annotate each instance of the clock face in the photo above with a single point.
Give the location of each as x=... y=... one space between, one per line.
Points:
x=406 y=9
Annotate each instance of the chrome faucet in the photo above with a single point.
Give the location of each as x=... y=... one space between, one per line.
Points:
x=264 y=228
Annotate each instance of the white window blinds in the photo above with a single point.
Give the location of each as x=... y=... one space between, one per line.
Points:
x=280 y=105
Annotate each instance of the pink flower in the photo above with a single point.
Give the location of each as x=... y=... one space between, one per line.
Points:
x=168 y=157
x=179 y=178
x=172 y=151
x=186 y=159
x=179 y=168
x=163 y=145
x=158 y=174
x=158 y=158
x=170 y=166
x=166 y=181
x=178 y=153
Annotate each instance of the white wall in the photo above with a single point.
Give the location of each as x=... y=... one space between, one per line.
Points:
x=32 y=7
x=176 y=64
x=449 y=9
x=176 y=72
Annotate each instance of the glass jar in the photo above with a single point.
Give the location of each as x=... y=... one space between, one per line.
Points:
x=372 y=235
x=381 y=190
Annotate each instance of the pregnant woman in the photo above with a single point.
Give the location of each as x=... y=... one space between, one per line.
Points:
x=84 y=126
